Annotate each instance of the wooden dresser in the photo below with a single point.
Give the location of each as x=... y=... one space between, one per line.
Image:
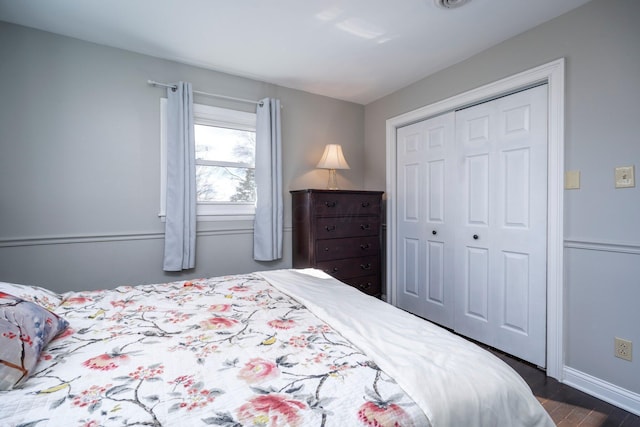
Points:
x=338 y=231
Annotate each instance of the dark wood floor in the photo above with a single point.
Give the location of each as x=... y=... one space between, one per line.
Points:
x=566 y=405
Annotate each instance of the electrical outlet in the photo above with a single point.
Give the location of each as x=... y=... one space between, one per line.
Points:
x=623 y=349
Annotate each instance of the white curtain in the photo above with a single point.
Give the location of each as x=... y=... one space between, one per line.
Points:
x=180 y=226
x=267 y=233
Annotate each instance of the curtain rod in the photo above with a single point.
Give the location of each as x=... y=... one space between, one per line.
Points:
x=214 y=95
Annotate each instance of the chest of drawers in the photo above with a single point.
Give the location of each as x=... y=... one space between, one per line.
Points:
x=338 y=231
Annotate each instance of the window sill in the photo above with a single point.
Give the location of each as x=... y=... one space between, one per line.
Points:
x=216 y=218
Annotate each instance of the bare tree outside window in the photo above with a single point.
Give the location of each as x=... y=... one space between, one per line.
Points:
x=225 y=164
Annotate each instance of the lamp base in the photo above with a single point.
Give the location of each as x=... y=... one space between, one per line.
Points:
x=333 y=180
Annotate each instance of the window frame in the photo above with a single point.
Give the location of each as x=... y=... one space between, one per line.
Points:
x=211 y=116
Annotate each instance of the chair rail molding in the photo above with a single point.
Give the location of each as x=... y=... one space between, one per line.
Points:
x=114 y=237
x=594 y=245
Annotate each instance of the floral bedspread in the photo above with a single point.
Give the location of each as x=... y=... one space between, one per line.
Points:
x=226 y=351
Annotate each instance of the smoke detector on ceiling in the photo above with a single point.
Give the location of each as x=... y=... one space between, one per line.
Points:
x=450 y=4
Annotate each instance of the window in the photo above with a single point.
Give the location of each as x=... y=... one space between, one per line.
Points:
x=225 y=143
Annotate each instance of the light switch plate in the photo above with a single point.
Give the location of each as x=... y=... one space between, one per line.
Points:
x=572 y=180
x=625 y=177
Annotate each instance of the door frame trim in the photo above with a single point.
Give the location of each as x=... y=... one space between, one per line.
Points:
x=553 y=74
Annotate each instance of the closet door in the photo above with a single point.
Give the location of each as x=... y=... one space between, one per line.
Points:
x=425 y=237
x=500 y=273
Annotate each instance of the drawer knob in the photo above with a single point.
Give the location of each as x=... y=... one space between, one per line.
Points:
x=330 y=227
x=364 y=285
x=330 y=204
x=365 y=204
x=434 y=232
x=476 y=237
x=366 y=266
x=326 y=249
x=334 y=269
x=365 y=247
x=365 y=226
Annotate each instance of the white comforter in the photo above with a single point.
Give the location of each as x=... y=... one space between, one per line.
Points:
x=455 y=382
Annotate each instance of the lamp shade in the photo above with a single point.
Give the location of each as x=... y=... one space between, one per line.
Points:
x=332 y=158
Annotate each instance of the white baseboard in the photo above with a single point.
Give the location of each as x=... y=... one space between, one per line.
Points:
x=611 y=393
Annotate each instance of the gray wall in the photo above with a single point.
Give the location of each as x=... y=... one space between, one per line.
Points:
x=80 y=162
x=602 y=235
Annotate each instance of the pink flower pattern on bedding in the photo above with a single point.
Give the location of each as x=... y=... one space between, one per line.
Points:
x=226 y=351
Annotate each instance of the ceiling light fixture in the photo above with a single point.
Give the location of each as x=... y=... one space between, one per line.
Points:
x=450 y=4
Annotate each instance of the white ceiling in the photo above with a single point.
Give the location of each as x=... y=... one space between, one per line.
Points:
x=355 y=50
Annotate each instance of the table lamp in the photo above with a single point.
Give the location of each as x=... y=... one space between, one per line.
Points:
x=332 y=159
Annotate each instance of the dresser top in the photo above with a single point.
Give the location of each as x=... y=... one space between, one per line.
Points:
x=313 y=190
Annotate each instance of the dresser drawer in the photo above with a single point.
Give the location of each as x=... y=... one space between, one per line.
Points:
x=333 y=228
x=350 y=247
x=340 y=204
x=368 y=284
x=351 y=267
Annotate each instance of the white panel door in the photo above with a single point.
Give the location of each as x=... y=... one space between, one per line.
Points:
x=425 y=237
x=500 y=282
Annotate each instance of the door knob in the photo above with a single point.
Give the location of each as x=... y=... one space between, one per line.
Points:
x=476 y=237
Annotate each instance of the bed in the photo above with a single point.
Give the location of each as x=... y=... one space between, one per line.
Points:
x=272 y=348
